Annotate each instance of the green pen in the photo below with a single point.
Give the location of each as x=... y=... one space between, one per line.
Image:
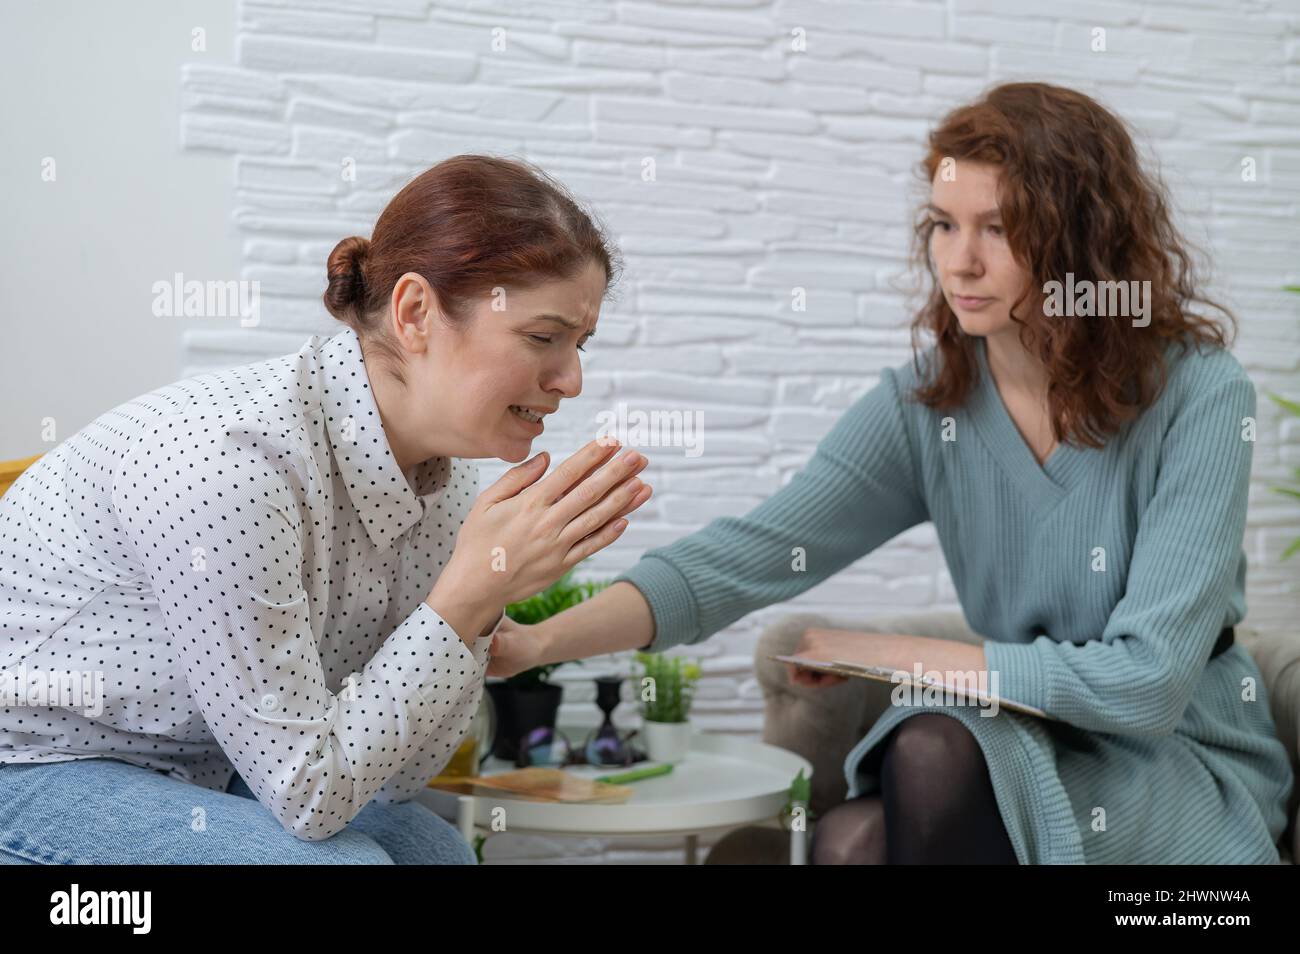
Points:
x=635 y=774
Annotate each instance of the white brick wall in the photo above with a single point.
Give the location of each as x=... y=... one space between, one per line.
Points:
x=774 y=169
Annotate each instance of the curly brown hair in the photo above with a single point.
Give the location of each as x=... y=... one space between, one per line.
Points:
x=1074 y=198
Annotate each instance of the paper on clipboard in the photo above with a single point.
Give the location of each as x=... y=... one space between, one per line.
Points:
x=842 y=667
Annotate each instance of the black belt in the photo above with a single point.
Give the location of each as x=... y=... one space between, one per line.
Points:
x=1225 y=641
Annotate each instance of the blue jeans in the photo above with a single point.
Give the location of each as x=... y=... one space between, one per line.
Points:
x=104 y=811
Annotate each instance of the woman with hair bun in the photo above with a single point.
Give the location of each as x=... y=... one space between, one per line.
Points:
x=281 y=579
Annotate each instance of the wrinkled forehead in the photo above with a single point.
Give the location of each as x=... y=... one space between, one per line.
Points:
x=573 y=301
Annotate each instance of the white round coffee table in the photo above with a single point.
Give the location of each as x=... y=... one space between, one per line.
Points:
x=723 y=783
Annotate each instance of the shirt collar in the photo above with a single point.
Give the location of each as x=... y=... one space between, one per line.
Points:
x=386 y=501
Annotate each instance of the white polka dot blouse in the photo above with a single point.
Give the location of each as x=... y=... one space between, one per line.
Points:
x=228 y=574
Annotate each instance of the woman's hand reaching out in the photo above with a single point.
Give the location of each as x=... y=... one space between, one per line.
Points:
x=515 y=648
x=525 y=531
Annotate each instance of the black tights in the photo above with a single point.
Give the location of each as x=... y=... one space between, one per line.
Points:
x=935 y=806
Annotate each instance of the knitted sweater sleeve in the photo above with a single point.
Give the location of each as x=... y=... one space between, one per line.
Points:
x=858 y=490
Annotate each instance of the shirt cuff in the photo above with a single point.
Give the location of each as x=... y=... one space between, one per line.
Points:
x=484 y=643
x=427 y=654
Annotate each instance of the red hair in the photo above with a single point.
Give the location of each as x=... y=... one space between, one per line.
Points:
x=467 y=225
x=1073 y=198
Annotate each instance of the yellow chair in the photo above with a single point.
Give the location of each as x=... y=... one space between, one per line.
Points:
x=11 y=469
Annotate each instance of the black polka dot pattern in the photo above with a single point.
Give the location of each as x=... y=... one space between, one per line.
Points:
x=240 y=556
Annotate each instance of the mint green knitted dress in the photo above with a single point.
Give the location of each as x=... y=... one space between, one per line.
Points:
x=1099 y=581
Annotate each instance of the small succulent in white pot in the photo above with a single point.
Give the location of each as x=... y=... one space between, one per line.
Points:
x=667 y=690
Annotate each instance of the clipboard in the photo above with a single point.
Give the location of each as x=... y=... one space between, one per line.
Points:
x=841 y=667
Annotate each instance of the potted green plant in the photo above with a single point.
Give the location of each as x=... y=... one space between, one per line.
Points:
x=667 y=690
x=528 y=700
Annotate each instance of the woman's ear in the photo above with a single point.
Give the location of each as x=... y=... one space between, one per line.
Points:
x=415 y=312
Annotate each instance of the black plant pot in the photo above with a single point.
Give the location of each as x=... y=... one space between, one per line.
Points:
x=519 y=711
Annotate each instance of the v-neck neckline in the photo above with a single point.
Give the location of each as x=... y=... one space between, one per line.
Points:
x=1046 y=484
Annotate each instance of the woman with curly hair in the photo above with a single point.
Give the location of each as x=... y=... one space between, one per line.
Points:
x=1086 y=464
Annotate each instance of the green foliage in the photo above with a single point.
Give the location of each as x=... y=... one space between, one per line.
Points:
x=556 y=598
x=674 y=686
x=801 y=788
x=800 y=793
